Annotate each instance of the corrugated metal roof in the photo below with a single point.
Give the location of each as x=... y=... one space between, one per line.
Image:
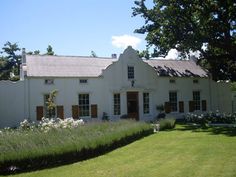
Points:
x=177 y=68
x=67 y=66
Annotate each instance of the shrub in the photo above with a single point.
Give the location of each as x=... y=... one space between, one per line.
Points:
x=167 y=123
x=24 y=149
x=211 y=117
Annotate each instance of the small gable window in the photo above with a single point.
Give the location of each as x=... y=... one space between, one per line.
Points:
x=172 y=81
x=83 y=81
x=48 y=81
x=130 y=72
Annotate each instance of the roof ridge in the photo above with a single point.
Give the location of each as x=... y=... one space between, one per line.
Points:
x=162 y=59
x=72 y=56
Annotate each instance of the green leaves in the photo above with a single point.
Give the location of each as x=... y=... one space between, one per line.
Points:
x=187 y=25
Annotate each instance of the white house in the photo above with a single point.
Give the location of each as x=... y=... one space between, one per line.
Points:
x=87 y=87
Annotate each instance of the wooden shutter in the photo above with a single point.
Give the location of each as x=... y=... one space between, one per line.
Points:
x=167 y=107
x=181 y=106
x=75 y=111
x=60 y=112
x=204 y=105
x=191 y=106
x=94 y=110
x=39 y=112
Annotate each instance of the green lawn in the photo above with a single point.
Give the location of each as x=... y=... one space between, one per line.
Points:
x=181 y=152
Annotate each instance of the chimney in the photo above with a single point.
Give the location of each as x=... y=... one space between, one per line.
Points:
x=23 y=67
x=113 y=55
x=23 y=60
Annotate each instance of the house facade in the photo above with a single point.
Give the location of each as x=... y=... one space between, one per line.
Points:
x=126 y=87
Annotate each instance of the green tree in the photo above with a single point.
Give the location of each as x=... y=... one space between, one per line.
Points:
x=51 y=105
x=50 y=50
x=4 y=69
x=36 y=52
x=93 y=54
x=144 y=54
x=190 y=25
x=14 y=59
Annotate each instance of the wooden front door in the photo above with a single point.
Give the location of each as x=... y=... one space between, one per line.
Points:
x=132 y=105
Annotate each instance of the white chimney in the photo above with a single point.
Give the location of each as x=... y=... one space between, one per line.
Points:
x=23 y=60
x=113 y=55
x=23 y=67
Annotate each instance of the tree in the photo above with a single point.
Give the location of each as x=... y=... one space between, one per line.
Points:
x=14 y=60
x=93 y=54
x=50 y=50
x=36 y=52
x=205 y=26
x=51 y=105
x=144 y=54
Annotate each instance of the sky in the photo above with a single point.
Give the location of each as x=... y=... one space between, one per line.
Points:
x=71 y=27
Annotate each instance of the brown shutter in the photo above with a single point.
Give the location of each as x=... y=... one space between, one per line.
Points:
x=181 y=106
x=191 y=106
x=167 y=107
x=94 y=110
x=75 y=111
x=39 y=112
x=60 y=112
x=204 y=105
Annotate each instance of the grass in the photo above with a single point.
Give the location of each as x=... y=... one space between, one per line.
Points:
x=35 y=149
x=185 y=151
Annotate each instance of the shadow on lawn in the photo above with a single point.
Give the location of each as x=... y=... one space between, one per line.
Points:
x=228 y=131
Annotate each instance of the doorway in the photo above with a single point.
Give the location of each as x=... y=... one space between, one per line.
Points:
x=132 y=105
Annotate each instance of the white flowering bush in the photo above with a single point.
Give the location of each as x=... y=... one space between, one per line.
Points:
x=211 y=117
x=47 y=124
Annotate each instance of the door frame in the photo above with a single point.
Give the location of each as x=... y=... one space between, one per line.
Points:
x=136 y=100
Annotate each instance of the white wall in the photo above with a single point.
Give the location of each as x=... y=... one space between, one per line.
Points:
x=12 y=107
x=15 y=97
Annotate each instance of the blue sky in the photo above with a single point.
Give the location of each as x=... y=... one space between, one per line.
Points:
x=71 y=27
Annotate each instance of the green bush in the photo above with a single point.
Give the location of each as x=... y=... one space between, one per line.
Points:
x=167 y=123
x=211 y=117
x=25 y=150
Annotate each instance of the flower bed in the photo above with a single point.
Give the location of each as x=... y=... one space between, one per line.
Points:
x=54 y=142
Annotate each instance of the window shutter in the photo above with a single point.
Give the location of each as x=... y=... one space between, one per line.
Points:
x=204 y=105
x=181 y=106
x=75 y=111
x=60 y=112
x=39 y=112
x=191 y=106
x=167 y=107
x=94 y=110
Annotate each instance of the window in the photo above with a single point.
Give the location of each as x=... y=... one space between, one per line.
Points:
x=173 y=101
x=49 y=113
x=130 y=72
x=83 y=105
x=116 y=101
x=172 y=81
x=48 y=81
x=83 y=81
x=195 y=81
x=146 y=103
x=196 y=100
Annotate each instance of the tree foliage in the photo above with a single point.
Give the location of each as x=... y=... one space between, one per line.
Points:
x=14 y=59
x=190 y=25
x=93 y=54
x=50 y=50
